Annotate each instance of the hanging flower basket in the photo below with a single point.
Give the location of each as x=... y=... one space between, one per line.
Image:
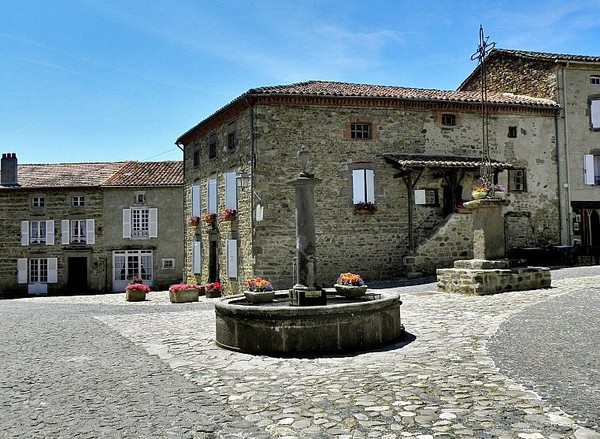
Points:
x=364 y=209
x=209 y=218
x=228 y=215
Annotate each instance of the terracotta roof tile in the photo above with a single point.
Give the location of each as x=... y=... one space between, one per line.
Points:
x=344 y=89
x=545 y=56
x=417 y=161
x=148 y=174
x=65 y=174
x=125 y=173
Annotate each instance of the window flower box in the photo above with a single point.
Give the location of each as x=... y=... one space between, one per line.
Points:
x=364 y=209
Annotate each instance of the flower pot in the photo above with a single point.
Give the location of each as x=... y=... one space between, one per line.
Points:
x=212 y=293
x=259 y=296
x=134 y=295
x=180 y=296
x=194 y=223
x=350 y=290
x=479 y=195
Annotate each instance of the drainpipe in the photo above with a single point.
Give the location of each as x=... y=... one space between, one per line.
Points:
x=567 y=153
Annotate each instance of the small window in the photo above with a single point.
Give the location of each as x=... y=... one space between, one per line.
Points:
x=360 y=131
x=37 y=202
x=516 y=180
x=168 y=264
x=78 y=201
x=594 y=80
x=196 y=157
x=231 y=136
x=37 y=232
x=212 y=146
x=448 y=120
x=426 y=197
x=512 y=132
x=595 y=113
x=140 y=198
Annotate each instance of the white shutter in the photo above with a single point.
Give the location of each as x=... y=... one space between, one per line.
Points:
x=588 y=169
x=212 y=195
x=231 y=250
x=197 y=257
x=126 y=223
x=49 y=232
x=358 y=186
x=52 y=270
x=64 y=232
x=196 y=200
x=24 y=232
x=153 y=222
x=90 y=231
x=370 y=182
x=230 y=191
x=595 y=113
x=420 y=196
x=22 y=270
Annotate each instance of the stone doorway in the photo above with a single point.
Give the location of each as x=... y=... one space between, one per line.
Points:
x=78 y=276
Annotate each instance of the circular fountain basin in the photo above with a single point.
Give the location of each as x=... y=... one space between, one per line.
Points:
x=276 y=328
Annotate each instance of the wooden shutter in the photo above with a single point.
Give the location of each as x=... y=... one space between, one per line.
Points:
x=588 y=169
x=231 y=250
x=197 y=257
x=212 y=195
x=22 y=270
x=420 y=196
x=90 y=231
x=196 y=200
x=65 y=227
x=127 y=223
x=52 y=270
x=24 y=232
x=358 y=186
x=153 y=222
x=49 y=232
x=230 y=191
x=595 y=113
x=370 y=183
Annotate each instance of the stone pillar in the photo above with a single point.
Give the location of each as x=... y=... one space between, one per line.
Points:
x=306 y=266
x=488 y=228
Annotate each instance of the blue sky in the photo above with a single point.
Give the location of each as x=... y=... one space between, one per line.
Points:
x=107 y=80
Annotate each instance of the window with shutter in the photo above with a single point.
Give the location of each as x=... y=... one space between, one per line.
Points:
x=196 y=200
x=595 y=113
x=231 y=250
x=211 y=195
x=197 y=257
x=363 y=186
x=231 y=191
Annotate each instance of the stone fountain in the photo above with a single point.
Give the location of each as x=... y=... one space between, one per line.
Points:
x=306 y=320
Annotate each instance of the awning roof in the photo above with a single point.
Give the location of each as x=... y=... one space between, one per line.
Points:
x=412 y=161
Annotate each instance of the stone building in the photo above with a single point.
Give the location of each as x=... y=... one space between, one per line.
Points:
x=408 y=156
x=573 y=81
x=59 y=225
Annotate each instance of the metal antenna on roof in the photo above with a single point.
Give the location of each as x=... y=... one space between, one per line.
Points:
x=486 y=164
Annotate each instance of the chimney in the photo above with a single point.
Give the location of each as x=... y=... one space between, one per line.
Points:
x=8 y=169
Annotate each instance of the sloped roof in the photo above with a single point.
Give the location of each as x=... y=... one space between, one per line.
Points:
x=147 y=174
x=345 y=89
x=552 y=58
x=334 y=89
x=419 y=161
x=95 y=174
x=544 y=56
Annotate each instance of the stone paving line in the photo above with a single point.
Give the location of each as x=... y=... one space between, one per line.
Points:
x=440 y=382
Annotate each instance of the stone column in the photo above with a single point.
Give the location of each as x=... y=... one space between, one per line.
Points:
x=306 y=267
x=488 y=229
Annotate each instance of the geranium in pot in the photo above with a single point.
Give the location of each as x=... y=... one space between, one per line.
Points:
x=212 y=290
x=228 y=214
x=350 y=285
x=259 y=290
x=479 y=192
x=136 y=292
x=179 y=293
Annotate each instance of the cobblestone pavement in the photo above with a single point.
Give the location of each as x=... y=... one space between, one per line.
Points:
x=97 y=366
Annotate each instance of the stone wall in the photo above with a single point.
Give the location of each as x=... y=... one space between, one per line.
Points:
x=451 y=241
x=16 y=207
x=371 y=245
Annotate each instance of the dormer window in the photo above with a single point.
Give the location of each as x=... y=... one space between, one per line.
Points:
x=140 y=198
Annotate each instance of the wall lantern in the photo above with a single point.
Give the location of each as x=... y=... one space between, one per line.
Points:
x=243 y=180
